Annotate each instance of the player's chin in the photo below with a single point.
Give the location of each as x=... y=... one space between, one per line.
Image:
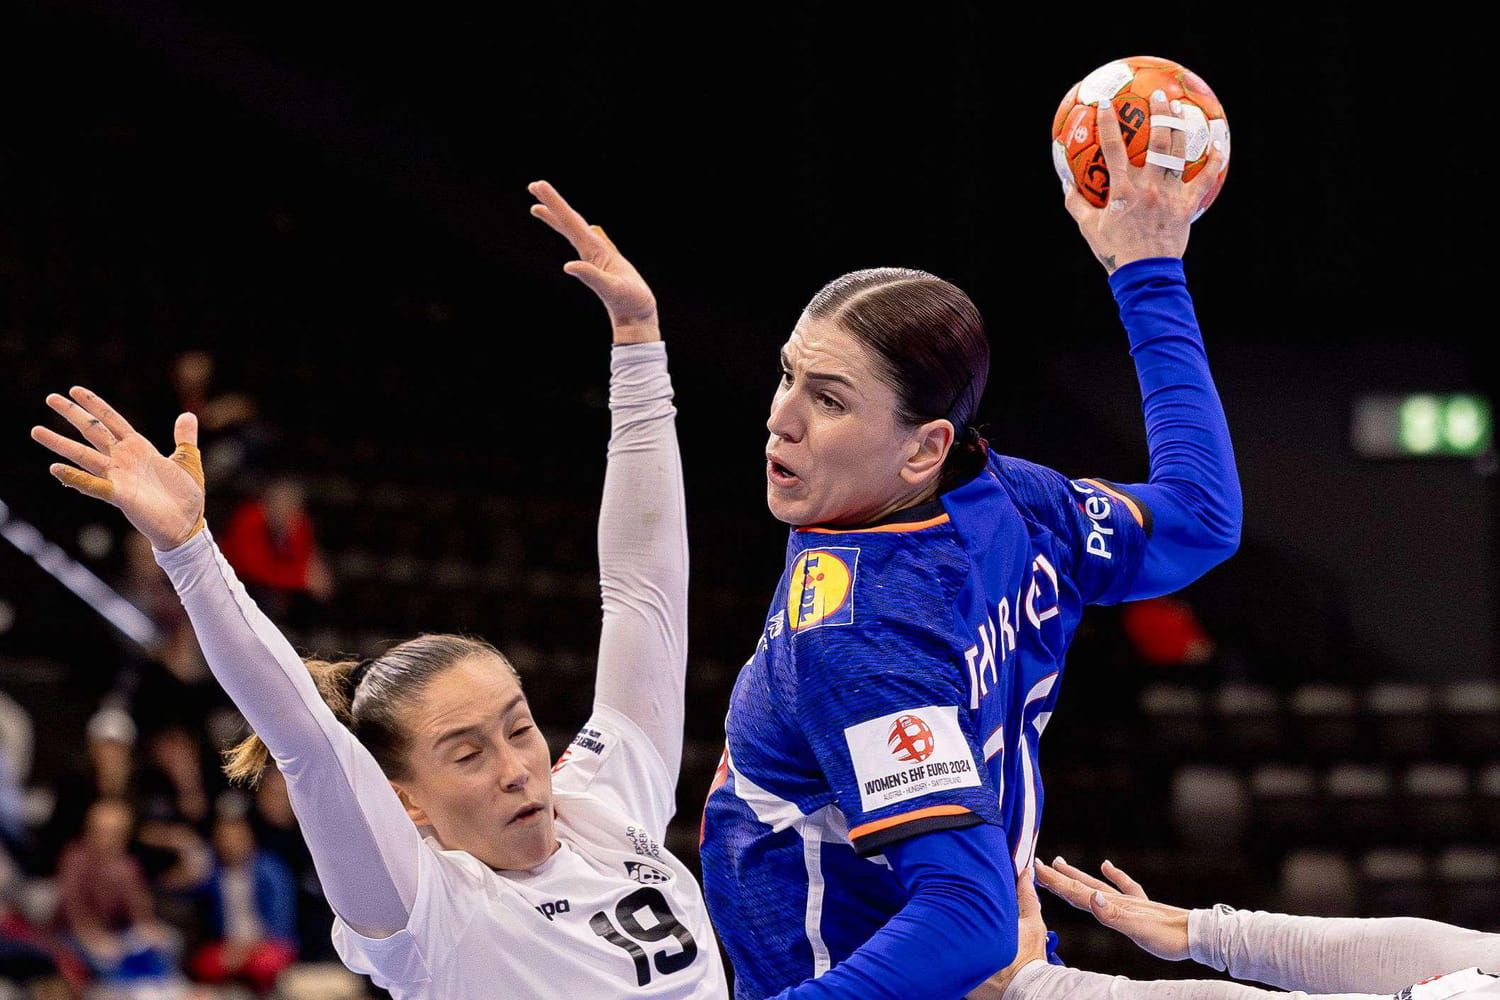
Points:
x=529 y=846
x=795 y=511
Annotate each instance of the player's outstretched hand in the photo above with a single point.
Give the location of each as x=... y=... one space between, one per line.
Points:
x=1031 y=943
x=601 y=266
x=161 y=495
x=1150 y=209
x=1155 y=927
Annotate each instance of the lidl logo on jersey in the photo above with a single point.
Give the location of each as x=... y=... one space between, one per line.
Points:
x=909 y=754
x=821 y=588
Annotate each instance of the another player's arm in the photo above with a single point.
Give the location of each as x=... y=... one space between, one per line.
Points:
x=364 y=845
x=643 y=550
x=1313 y=954
x=1191 y=507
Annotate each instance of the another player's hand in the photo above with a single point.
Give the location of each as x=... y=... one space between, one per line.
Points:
x=1155 y=927
x=1150 y=209
x=601 y=266
x=162 y=495
x=1031 y=943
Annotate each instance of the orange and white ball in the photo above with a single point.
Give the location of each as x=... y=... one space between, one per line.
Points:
x=1128 y=83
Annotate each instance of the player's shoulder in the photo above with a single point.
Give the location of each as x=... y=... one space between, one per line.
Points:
x=1047 y=497
x=909 y=567
x=1037 y=491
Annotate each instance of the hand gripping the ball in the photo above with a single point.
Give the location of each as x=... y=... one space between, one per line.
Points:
x=1150 y=208
x=161 y=495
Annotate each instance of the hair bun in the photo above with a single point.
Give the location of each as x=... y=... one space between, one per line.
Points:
x=358 y=674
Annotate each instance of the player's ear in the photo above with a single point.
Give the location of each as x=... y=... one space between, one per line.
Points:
x=417 y=813
x=927 y=449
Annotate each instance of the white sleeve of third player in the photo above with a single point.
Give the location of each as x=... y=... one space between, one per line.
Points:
x=363 y=844
x=643 y=563
x=1329 y=955
x=1040 y=981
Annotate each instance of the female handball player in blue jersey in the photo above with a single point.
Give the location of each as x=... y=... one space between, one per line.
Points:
x=879 y=789
x=458 y=866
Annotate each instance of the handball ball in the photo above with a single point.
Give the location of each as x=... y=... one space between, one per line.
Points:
x=1129 y=83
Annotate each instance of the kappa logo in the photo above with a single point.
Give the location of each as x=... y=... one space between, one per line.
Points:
x=646 y=874
x=911 y=739
x=820 y=589
x=550 y=910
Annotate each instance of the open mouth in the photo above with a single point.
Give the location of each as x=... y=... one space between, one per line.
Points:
x=528 y=813
x=779 y=474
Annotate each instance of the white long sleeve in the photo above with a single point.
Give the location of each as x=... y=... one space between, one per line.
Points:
x=362 y=842
x=1323 y=954
x=1040 y=981
x=643 y=553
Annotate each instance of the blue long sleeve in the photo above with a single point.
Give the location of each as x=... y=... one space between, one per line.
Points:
x=956 y=930
x=1193 y=495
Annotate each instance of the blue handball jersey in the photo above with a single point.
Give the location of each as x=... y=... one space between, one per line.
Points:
x=902 y=684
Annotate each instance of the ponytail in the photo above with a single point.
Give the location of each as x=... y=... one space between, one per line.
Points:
x=248 y=759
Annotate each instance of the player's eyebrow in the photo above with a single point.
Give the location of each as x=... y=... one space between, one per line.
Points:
x=818 y=376
x=477 y=727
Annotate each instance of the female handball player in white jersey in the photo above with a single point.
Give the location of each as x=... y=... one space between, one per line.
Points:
x=1318 y=958
x=458 y=866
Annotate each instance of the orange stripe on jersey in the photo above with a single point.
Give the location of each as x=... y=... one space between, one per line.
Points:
x=721 y=775
x=885 y=824
x=1130 y=504
x=913 y=526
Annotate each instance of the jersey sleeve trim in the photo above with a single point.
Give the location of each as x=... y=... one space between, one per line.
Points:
x=880 y=528
x=1135 y=505
x=872 y=838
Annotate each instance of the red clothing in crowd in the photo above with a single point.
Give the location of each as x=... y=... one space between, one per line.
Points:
x=262 y=557
x=101 y=893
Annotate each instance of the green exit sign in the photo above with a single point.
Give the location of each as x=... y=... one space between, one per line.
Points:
x=1422 y=425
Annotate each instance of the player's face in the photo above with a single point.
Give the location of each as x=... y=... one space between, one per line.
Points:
x=837 y=449
x=479 y=769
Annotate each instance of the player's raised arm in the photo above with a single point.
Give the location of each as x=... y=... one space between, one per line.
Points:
x=643 y=551
x=1313 y=954
x=363 y=844
x=1191 y=507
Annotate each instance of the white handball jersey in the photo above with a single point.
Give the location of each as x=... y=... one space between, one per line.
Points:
x=1468 y=983
x=611 y=914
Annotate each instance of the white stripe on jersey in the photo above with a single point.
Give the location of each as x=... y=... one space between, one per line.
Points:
x=1027 y=837
x=812 y=851
x=825 y=825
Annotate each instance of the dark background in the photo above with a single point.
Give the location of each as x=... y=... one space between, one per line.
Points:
x=332 y=201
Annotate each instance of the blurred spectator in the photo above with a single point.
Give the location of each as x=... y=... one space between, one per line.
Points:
x=270 y=544
x=172 y=781
x=146 y=586
x=251 y=897
x=106 y=906
x=234 y=437
x=276 y=830
x=109 y=774
x=15 y=764
x=1165 y=632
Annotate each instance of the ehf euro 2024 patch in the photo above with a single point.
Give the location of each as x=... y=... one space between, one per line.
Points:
x=909 y=754
x=820 y=590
